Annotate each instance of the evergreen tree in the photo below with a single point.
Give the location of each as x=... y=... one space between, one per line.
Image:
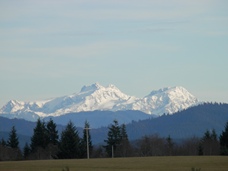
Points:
x=145 y=146
x=13 y=139
x=170 y=145
x=52 y=133
x=123 y=132
x=40 y=137
x=200 y=149
x=83 y=143
x=214 y=136
x=3 y=142
x=210 y=144
x=114 y=138
x=224 y=141
x=124 y=148
x=69 y=143
x=26 y=150
x=207 y=136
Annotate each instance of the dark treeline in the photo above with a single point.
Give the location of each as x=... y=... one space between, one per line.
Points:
x=47 y=144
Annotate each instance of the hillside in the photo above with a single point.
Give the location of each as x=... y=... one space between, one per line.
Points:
x=99 y=119
x=191 y=122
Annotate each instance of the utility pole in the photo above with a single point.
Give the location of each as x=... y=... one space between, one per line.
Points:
x=112 y=152
x=87 y=141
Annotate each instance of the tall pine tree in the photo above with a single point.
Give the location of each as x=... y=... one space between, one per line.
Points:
x=124 y=148
x=3 y=142
x=224 y=141
x=114 y=139
x=26 y=151
x=13 y=139
x=209 y=143
x=69 y=145
x=52 y=133
x=40 y=137
x=169 y=145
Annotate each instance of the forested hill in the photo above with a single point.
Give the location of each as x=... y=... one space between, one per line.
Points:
x=191 y=122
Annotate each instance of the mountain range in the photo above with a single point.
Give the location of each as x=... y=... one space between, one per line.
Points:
x=194 y=121
x=168 y=111
x=100 y=98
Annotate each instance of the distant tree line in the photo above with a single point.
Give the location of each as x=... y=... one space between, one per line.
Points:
x=46 y=144
x=9 y=149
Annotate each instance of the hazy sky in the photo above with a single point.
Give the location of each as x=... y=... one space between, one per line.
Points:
x=51 y=48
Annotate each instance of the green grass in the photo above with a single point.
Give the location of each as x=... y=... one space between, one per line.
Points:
x=204 y=163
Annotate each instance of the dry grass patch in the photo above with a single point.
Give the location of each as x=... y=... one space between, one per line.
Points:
x=192 y=163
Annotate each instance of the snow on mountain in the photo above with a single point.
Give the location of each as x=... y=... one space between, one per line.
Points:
x=98 y=97
x=167 y=100
x=90 y=98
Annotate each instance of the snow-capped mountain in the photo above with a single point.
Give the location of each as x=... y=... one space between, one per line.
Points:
x=97 y=97
x=167 y=100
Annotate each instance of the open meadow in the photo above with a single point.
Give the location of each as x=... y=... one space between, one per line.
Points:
x=192 y=163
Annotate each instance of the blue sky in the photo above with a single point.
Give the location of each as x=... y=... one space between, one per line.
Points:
x=52 y=48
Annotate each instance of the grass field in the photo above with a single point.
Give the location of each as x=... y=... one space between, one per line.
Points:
x=205 y=163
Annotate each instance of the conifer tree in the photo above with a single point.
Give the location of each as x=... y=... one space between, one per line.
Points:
x=210 y=144
x=114 y=138
x=214 y=136
x=13 y=139
x=52 y=133
x=124 y=148
x=26 y=150
x=123 y=132
x=170 y=145
x=224 y=141
x=69 y=143
x=3 y=142
x=200 y=149
x=207 y=136
x=40 y=137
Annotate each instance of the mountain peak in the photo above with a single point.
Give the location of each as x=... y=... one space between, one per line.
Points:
x=167 y=90
x=177 y=88
x=93 y=87
x=111 y=86
x=12 y=106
